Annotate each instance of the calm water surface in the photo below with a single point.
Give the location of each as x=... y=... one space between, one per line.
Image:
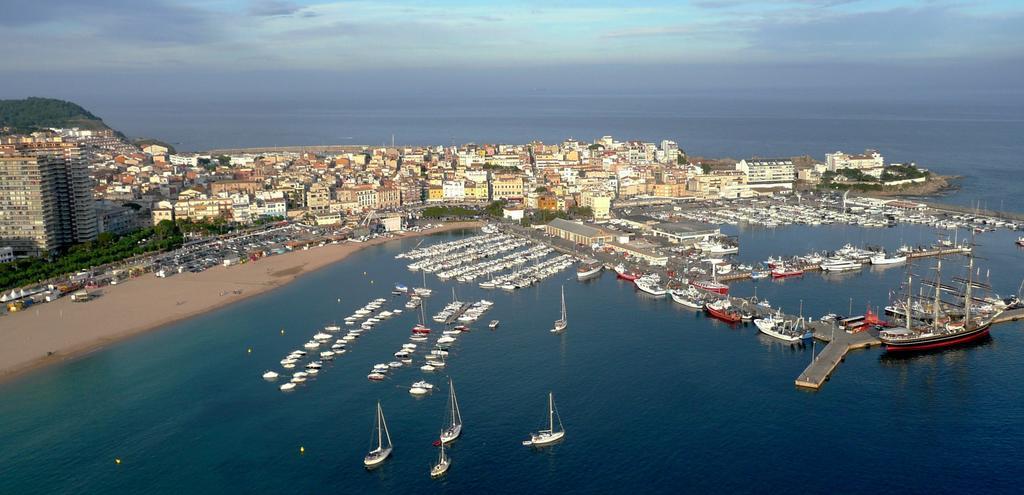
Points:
x=652 y=396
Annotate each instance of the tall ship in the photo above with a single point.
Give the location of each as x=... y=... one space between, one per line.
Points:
x=957 y=314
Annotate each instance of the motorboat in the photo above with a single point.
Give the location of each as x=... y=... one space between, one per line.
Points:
x=883 y=259
x=270 y=375
x=287 y=386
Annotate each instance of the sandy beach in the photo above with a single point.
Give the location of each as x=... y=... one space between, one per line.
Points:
x=54 y=332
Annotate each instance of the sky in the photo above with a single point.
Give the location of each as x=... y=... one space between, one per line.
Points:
x=273 y=47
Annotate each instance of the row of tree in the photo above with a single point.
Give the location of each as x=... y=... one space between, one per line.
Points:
x=106 y=248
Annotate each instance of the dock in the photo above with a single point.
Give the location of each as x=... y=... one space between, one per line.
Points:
x=455 y=316
x=839 y=344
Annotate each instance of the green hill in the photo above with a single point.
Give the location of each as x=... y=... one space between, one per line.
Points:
x=34 y=113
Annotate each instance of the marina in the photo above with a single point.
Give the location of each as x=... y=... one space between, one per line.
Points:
x=699 y=353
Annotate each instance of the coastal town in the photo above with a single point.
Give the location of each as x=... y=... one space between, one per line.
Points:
x=67 y=187
x=644 y=209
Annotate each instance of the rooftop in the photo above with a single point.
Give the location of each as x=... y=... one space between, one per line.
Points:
x=577 y=228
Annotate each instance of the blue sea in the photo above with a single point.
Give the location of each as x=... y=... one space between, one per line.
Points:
x=974 y=138
x=653 y=397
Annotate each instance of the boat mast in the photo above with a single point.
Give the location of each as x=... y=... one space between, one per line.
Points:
x=910 y=281
x=967 y=291
x=380 y=431
x=938 y=285
x=551 y=412
x=563 y=304
x=456 y=416
x=385 y=425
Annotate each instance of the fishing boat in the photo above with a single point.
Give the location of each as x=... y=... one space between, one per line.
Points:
x=588 y=269
x=782 y=271
x=562 y=322
x=759 y=274
x=724 y=311
x=883 y=259
x=839 y=265
x=711 y=286
x=380 y=454
x=621 y=272
x=443 y=462
x=454 y=425
x=943 y=331
x=649 y=285
x=690 y=298
x=550 y=435
x=779 y=329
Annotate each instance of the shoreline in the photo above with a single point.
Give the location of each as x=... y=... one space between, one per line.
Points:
x=63 y=330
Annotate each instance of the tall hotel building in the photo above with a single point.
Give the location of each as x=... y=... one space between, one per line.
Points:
x=46 y=200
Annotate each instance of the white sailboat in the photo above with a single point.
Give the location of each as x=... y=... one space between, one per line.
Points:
x=562 y=322
x=378 y=455
x=549 y=436
x=443 y=463
x=454 y=428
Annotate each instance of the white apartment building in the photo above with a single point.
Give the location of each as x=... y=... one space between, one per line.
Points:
x=768 y=172
x=454 y=190
x=868 y=160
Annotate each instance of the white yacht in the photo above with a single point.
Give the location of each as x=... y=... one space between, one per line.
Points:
x=551 y=435
x=443 y=462
x=454 y=427
x=270 y=375
x=380 y=454
x=563 y=322
x=839 y=265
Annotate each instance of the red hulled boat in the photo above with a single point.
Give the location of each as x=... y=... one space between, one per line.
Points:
x=782 y=271
x=711 y=286
x=723 y=311
x=420 y=329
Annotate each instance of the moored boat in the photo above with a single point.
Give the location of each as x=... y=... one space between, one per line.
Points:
x=588 y=269
x=723 y=311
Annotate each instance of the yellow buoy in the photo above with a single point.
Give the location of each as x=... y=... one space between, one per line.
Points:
x=282 y=331
x=364 y=273
x=302 y=450
x=117 y=460
x=250 y=350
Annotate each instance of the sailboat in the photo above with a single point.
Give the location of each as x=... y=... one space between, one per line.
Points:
x=443 y=462
x=562 y=322
x=549 y=436
x=454 y=428
x=378 y=455
x=423 y=291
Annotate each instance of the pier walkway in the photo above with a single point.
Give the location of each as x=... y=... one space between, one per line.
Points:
x=839 y=343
